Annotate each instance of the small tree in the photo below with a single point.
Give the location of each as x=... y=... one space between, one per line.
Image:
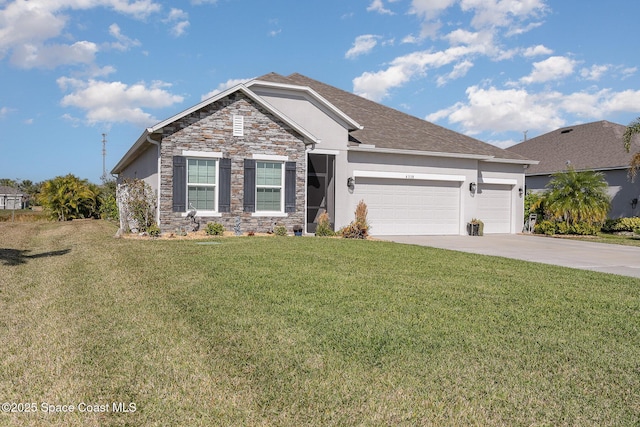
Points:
x=69 y=197
x=577 y=197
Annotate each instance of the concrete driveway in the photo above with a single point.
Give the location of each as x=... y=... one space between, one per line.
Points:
x=602 y=257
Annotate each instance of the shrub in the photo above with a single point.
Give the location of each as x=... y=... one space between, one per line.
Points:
x=324 y=226
x=546 y=227
x=359 y=228
x=621 y=224
x=214 y=229
x=280 y=230
x=153 y=230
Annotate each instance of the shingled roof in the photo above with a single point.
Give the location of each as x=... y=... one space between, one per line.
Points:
x=591 y=146
x=386 y=127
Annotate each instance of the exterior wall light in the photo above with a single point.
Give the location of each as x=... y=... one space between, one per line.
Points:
x=350 y=182
x=472 y=187
x=520 y=191
x=634 y=203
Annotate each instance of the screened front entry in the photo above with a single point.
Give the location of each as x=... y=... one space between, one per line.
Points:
x=320 y=189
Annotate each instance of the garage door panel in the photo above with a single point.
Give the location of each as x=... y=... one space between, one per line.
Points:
x=494 y=207
x=410 y=206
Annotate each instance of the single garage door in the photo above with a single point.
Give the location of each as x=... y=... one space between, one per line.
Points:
x=494 y=207
x=410 y=207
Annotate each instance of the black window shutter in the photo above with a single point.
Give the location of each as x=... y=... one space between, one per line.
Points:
x=290 y=187
x=224 y=192
x=179 y=184
x=249 y=185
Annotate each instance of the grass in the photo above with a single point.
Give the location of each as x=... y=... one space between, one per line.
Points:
x=22 y=215
x=307 y=331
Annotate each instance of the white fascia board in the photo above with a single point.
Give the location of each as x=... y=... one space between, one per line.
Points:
x=325 y=151
x=409 y=175
x=420 y=153
x=351 y=122
x=502 y=181
x=513 y=161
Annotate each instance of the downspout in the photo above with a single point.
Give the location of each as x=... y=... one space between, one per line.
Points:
x=157 y=144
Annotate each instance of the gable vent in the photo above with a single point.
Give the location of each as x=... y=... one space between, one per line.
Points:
x=238 y=125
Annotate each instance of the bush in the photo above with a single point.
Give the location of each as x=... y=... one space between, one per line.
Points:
x=562 y=227
x=153 y=230
x=214 y=229
x=359 y=228
x=546 y=227
x=280 y=230
x=324 y=226
x=621 y=224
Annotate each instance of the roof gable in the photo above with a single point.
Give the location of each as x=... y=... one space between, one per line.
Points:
x=390 y=129
x=590 y=146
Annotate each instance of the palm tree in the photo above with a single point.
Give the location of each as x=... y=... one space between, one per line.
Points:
x=578 y=197
x=630 y=131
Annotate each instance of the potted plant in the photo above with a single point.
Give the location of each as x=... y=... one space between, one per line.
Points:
x=297 y=230
x=475 y=227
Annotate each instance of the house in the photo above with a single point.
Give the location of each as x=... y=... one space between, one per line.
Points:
x=286 y=149
x=11 y=198
x=596 y=146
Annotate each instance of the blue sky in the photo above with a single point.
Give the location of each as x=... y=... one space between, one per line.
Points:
x=71 y=70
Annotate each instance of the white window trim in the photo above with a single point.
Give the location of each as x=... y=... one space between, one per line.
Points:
x=207 y=154
x=270 y=158
x=281 y=212
x=198 y=155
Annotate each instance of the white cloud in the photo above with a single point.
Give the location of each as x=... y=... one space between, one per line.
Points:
x=503 y=110
x=459 y=70
x=538 y=50
x=502 y=13
x=362 y=45
x=552 y=68
x=224 y=86
x=595 y=72
x=378 y=6
x=50 y=56
x=122 y=43
x=113 y=102
x=376 y=86
x=4 y=111
x=179 y=21
x=26 y=26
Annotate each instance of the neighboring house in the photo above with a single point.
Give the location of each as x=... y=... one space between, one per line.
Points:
x=594 y=146
x=11 y=198
x=286 y=149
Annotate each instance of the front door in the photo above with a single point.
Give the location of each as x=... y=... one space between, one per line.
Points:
x=320 y=189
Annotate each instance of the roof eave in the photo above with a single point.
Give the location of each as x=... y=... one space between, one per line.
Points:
x=420 y=153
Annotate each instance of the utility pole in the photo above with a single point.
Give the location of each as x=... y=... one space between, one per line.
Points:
x=104 y=158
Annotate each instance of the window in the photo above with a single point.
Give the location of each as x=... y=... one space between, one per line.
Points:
x=269 y=179
x=201 y=184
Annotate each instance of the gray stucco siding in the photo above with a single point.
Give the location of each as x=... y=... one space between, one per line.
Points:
x=211 y=130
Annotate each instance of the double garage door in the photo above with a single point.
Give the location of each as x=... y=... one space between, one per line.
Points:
x=423 y=207
x=410 y=207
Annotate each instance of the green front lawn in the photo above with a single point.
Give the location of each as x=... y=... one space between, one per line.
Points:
x=306 y=331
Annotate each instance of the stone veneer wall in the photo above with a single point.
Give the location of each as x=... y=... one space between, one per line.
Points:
x=210 y=129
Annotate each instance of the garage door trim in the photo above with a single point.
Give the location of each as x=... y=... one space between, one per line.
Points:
x=408 y=175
